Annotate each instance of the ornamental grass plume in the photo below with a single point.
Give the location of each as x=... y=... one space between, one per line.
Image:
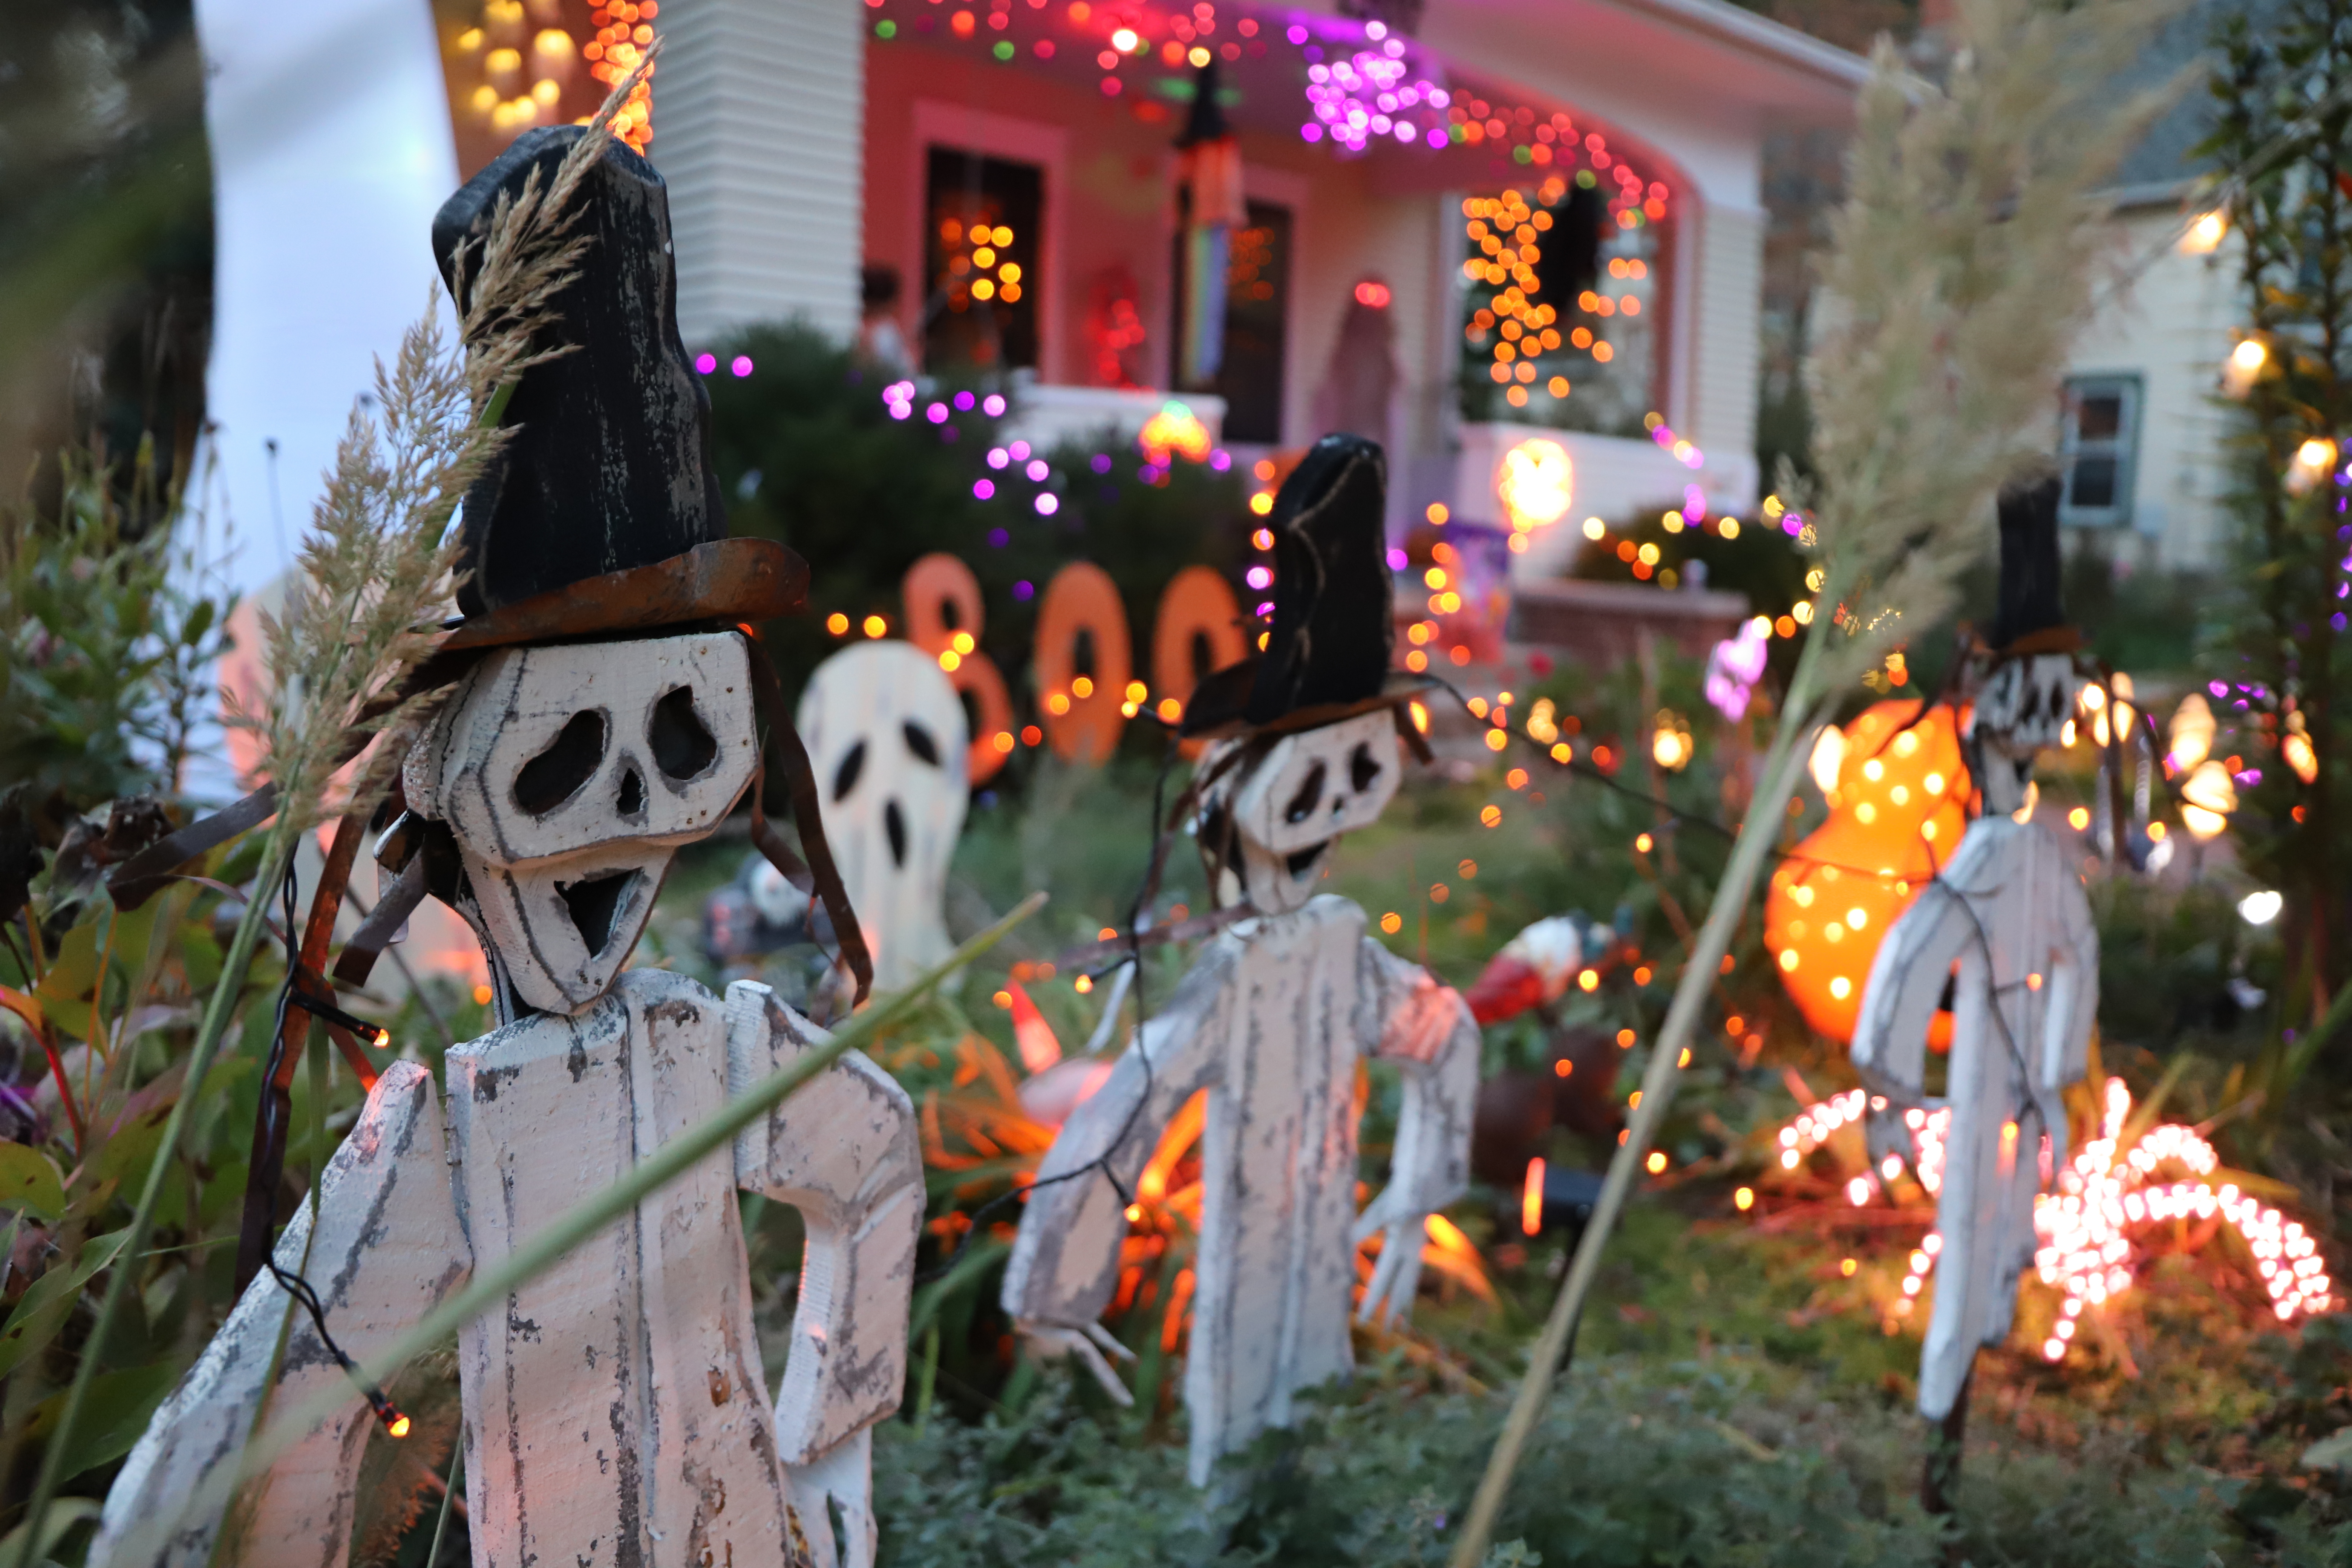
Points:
x=1961 y=268
x=375 y=578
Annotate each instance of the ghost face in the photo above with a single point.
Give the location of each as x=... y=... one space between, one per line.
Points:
x=569 y=776
x=1268 y=830
x=889 y=744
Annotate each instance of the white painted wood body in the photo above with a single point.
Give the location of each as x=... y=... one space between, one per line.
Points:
x=1272 y=1020
x=889 y=744
x=385 y=1251
x=616 y=1411
x=2009 y=912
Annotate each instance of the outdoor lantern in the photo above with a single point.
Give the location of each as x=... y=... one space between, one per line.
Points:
x=1536 y=482
x=1896 y=813
x=2208 y=799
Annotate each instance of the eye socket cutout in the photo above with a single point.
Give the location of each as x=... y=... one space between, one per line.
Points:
x=1363 y=772
x=593 y=905
x=894 y=825
x=1309 y=795
x=845 y=777
x=632 y=798
x=919 y=742
x=682 y=744
x=568 y=763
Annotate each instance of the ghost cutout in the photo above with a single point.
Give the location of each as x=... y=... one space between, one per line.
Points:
x=887 y=741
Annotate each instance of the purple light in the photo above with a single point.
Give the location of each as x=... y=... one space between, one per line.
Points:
x=1436 y=137
x=1220 y=460
x=983 y=489
x=1398 y=559
x=741 y=366
x=902 y=410
x=998 y=538
x=2217 y=688
x=998 y=457
x=2337 y=620
x=705 y=364
x=1792 y=524
x=1099 y=462
x=963 y=401
x=1297 y=34
x=1024 y=590
x=1048 y=503
x=1037 y=470
x=937 y=413
x=1267 y=608
x=1310 y=133
x=992 y=406
x=1018 y=449
x=1261 y=579
x=2251 y=777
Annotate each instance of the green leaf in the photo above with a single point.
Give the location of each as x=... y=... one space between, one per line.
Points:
x=62 y=1516
x=29 y=1181
x=112 y=1417
x=42 y=1310
x=199 y=622
x=201 y=953
x=73 y=968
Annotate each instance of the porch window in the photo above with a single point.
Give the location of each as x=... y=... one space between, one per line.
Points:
x=1563 y=319
x=1257 y=297
x=981 y=251
x=2098 y=450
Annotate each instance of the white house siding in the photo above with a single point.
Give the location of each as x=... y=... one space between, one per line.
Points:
x=759 y=115
x=1716 y=387
x=2167 y=318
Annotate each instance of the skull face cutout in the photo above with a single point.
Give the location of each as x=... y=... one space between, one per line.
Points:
x=887 y=741
x=569 y=776
x=2025 y=706
x=1268 y=830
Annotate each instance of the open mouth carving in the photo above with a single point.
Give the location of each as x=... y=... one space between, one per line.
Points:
x=593 y=903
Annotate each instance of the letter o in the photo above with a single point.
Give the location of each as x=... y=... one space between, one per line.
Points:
x=1081 y=612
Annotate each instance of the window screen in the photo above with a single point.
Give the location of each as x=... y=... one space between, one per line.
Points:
x=2100 y=444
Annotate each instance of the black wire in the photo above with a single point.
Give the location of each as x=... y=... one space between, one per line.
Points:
x=290 y=1282
x=1101 y=1162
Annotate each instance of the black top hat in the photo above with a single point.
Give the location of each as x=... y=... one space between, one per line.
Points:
x=2028 y=599
x=1327 y=651
x=610 y=466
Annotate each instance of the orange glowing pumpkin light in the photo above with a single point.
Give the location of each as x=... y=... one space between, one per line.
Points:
x=1896 y=814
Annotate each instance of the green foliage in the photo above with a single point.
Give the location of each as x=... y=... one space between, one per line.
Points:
x=104 y=646
x=2277 y=90
x=809 y=454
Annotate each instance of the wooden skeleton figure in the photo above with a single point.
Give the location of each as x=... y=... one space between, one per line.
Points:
x=1272 y=1021
x=2003 y=938
x=889 y=741
x=617 y=1410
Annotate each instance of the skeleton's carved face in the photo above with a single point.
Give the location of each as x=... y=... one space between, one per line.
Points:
x=569 y=776
x=889 y=745
x=1268 y=830
x=2023 y=707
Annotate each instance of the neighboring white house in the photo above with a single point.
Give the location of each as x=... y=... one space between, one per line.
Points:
x=2144 y=423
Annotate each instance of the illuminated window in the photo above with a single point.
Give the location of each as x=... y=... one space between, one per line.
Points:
x=2098 y=448
x=981 y=261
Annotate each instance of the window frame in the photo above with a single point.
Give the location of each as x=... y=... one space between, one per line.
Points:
x=2123 y=446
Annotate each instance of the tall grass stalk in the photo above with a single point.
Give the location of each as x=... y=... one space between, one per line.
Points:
x=490 y=1287
x=1961 y=267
